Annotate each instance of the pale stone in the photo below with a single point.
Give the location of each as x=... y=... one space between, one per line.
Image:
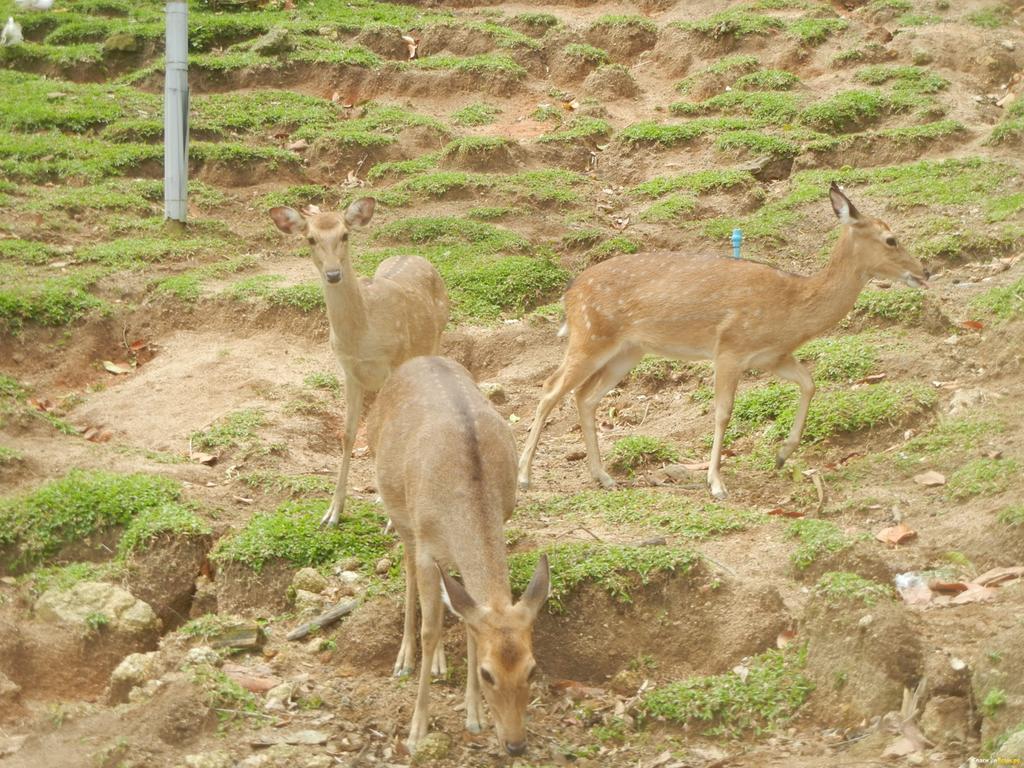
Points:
x=124 y=612
x=310 y=580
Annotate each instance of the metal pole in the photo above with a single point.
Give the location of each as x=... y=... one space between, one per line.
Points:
x=176 y=113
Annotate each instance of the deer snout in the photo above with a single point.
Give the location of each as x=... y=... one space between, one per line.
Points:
x=516 y=748
x=332 y=275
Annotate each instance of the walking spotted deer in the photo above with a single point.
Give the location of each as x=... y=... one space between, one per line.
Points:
x=741 y=314
x=446 y=470
x=376 y=324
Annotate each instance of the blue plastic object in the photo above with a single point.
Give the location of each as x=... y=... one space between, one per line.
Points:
x=737 y=240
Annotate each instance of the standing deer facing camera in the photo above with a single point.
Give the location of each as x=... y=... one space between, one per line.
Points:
x=375 y=324
x=446 y=470
x=741 y=314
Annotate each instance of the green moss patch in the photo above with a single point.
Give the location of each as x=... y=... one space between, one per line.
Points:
x=37 y=525
x=47 y=300
x=478 y=113
x=151 y=522
x=1005 y=302
x=578 y=129
x=617 y=569
x=292 y=533
x=665 y=134
x=764 y=700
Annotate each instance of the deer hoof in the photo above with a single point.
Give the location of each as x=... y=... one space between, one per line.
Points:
x=524 y=485
x=780 y=461
x=606 y=482
x=403 y=671
x=474 y=727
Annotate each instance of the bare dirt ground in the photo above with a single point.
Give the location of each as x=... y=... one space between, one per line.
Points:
x=203 y=359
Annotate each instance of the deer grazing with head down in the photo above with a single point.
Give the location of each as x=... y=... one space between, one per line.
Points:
x=446 y=471
x=740 y=314
x=375 y=324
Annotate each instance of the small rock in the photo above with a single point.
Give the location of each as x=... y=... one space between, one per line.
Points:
x=255 y=761
x=493 y=391
x=947 y=719
x=1013 y=749
x=280 y=697
x=217 y=759
x=122 y=42
x=1008 y=45
x=382 y=567
x=301 y=145
x=277 y=41
x=349 y=564
x=930 y=479
x=866 y=620
x=432 y=749
x=203 y=654
x=915 y=758
x=307 y=737
x=310 y=580
x=80 y=605
x=11 y=744
x=966 y=399
x=145 y=691
x=319 y=761
x=134 y=669
x=204 y=600
x=9 y=689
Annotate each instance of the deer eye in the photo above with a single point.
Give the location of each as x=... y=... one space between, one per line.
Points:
x=890 y=241
x=344 y=237
x=311 y=240
x=487 y=678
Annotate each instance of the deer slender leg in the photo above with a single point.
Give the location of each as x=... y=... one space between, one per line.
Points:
x=406 y=661
x=587 y=398
x=727 y=376
x=431 y=622
x=353 y=410
x=791 y=369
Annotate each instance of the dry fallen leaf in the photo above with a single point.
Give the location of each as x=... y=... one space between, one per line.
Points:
x=872 y=379
x=974 y=594
x=97 y=434
x=972 y=325
x=576 y=691
x=138 y=344
x=999 y=575
x=298 y=146
x=42 y=404
x=785 y=637
x=116 y=368
x=208 y=459
x=947 y=587
x=780 y=512
x=930 y=479
x=896 y=534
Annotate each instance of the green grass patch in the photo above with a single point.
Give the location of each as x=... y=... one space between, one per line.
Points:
x=26 y=251
x=293 y=485
x=1012 y=516
x=47 y=301
x=37 y=525
x=292 y=533
x=947 y=437
x=188 y=285
x=906 y=78
x=580 y=128
x=1004 y=302
x=622 y=21
x=470 y=146
x=817 y=538
x=648 y=510
x=9 y=455
x=991 y=18
x=236 y=430
x=587 y=53
x=305 y=297
x=478 y=113
x=698 y=182
x=149 y=523
x=667 y=135
x=848 y=110
x=842 y=586
x=671 y=208
x=485 y=64
x=450 y=230
x=756 y=144
x=896 y=304
x=840 y=358
x=982 y=477
x=617 y=569
x=631 y=453
x=729 y=705
x=767 y=80
x=52 y=156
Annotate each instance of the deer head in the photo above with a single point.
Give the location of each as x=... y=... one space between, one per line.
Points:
x=874 y=246
x=504 y=651
x=327 y=233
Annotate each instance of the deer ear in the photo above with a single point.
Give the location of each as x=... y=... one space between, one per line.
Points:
x=845 y=210
x=538 y=589
x=288 y=220
x=455 y=596
x=359 y=212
